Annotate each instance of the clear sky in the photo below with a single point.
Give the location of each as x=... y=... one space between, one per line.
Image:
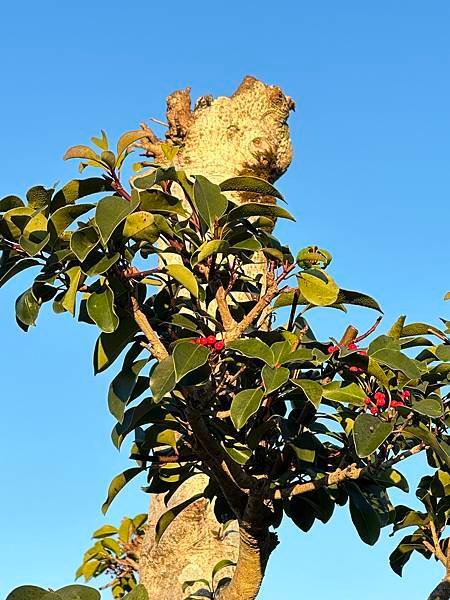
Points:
x=370 y=182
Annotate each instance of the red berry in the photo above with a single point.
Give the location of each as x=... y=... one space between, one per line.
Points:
x=367 y=401
x=379 y=396
x=374 y=410
x=355 y=370
x=332 y=349
x=203 y=341
x=219 y=345
x=381 y=402
x=211 y=340
x=352 y=346
x=363 y=352
x=406 y=394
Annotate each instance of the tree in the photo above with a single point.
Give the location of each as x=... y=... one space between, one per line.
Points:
x=261 y=419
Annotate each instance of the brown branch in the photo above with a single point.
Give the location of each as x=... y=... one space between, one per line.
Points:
x=437 y=546
x=224 y=310
x=369 y=331
x=156 y=346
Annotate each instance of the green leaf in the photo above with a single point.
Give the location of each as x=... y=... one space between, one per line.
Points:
x=137 y=593
x=383 y=342
x=83 y=241
x=27 y=592
x=423 y=434
x=27 y=308
x=222 y=564
x=430 y=407
x=65 y=216
x=184 y=276
x=274 y=378
x=156 y=201
x=20 y=265
x=209 y=201
x=318 y=287
x=110 y=345
x=253 y=348
x=443 y=352
x=79 y=188
x=128 y=138
x=244 y=405
x=100 y=267
x=374 y=368
x=420 y=329
x=69 y=300
x=39 y=197
x=246 y=183
x=391 y=478
x=369 y=432
x=122 y=387
x=78 y=592
x=188 y=357
x=349 y=393
x=105 y=531
x=100 y=308
x=110 y=212
x=209 y=248
x=364 y=517
x=162 y=380
x=397 y=361
x=117 y=484
x=396 y=330
x=140 y=226
x=83 y=152
x=166 y=518
x=35 y=244
x=255 y=209
x=281 y=351
x=357 y=299
x=311 y=389
x=9 y=202
x=238 y=452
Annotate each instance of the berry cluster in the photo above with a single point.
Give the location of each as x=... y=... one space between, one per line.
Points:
x=379 y=403
x=210 y=342
x=332 y=349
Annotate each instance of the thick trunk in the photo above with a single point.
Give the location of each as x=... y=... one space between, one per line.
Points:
x=245 y=134
x=255 y=548
x=441 y=591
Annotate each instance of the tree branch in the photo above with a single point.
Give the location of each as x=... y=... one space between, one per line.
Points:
x=156 y=346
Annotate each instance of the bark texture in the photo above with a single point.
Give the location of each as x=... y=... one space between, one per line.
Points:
x=441 y=591
x=245 y=134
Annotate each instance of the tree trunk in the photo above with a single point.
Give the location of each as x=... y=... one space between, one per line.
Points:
x=245 y=134
x=441 y=591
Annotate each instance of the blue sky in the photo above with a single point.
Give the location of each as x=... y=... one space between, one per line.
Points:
x=370 y=182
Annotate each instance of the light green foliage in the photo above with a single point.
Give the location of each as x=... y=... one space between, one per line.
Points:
x=207 y=379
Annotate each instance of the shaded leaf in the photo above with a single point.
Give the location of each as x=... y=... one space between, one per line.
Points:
x=100 y=308
x=188 y=357
x=244 y=405
x=166 y=518
x=110 y=212
x=253 y=348
x=117 y=484
x=209 y=201
x=364 y=517
x=110 y=345
x=247 y=183
x=83 y=240
x=311 y=389
x=162 y=380
x=253 y=209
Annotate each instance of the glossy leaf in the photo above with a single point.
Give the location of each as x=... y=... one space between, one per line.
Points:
x=254 y=209
x=209 y=200
x=349 y=393
x=162 y=380
x=104 y=531
x=311 y=389
x=83 y=241
x=117 y=484
x=397 y=361
x=369 y=432
x=140 y=226
x=27 y=592
x=16 y=268
x=188 y=357
x=184 y=276
x=244 y=405
x=253 y=348
x=110 y=212
x=156 y=201
x=65 y=216
x=110 y=345
x=246 y=183
x=122 y=387
x=100 y=308
x=274 y=378
x=166 y=518
x=27 y=308
x=69 y=300
x=318 y=287
x=79 y=188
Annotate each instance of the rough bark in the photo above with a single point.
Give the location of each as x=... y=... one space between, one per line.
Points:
x=441 y=591
x=245 y=134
